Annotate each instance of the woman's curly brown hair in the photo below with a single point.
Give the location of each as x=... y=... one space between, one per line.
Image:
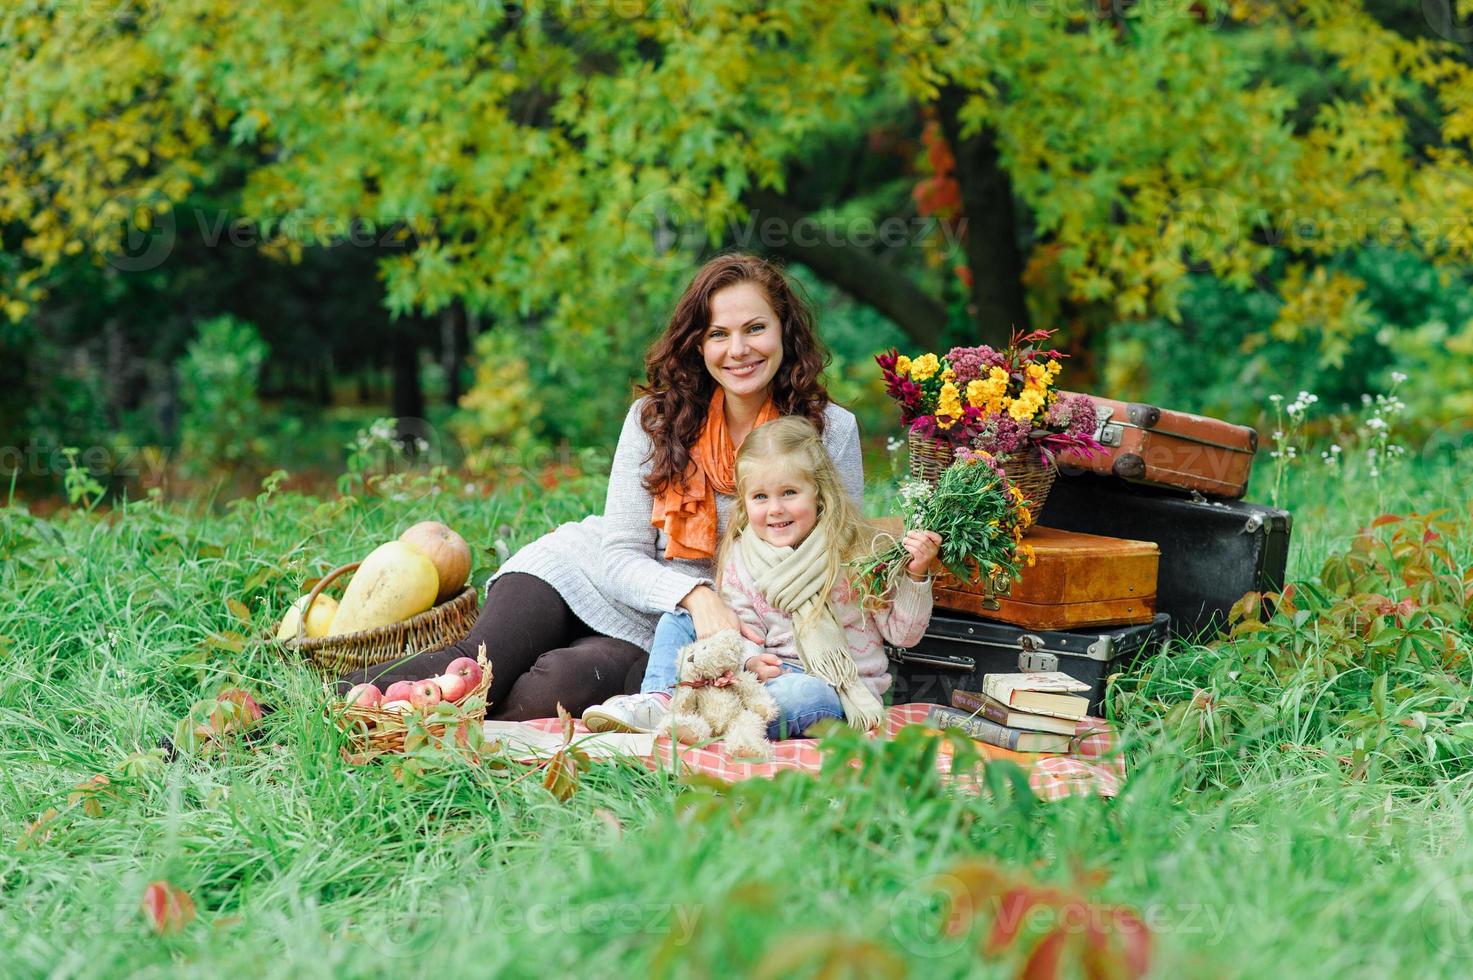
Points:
x=680 y=387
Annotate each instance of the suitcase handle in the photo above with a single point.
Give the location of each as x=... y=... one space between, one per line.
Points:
x=902 y=656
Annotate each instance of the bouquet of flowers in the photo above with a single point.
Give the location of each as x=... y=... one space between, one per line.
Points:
x=998 y=401
x=979 y=515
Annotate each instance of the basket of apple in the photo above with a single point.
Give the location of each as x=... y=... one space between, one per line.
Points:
x=378 y=721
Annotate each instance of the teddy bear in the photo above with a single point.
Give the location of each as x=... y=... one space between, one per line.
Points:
x=718 y=698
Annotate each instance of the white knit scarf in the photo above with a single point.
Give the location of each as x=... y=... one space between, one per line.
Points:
x=792 y=581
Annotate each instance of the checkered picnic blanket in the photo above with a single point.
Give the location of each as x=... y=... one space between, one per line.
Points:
x=1093 y=767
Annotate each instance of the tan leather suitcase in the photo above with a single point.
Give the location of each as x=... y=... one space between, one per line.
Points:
x=1077 y=580
x=1146 y=444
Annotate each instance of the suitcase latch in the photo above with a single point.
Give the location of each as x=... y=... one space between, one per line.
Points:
x=996 y=586
x=1033 y=660
x=1109 y=435
x=1034 y=657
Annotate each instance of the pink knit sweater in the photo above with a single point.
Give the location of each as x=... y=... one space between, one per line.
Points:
x=901 y=623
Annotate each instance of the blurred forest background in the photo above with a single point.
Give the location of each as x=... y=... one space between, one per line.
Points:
x=235 y=236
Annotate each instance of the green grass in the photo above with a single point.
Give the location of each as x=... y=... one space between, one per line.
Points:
x=1245 y=858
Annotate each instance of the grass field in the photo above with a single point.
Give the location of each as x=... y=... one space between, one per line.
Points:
x=1298 y=801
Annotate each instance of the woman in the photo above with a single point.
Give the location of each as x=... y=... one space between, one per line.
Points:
x=569 y=618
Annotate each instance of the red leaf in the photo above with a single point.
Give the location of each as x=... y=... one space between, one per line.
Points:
x=1135 y=941
x=1046 y=958
x=168 y=909
x=88 y=794
x=561 y=778
x=236 y=696
x=1012 y=910
x=1385 y=519
x=38 y=831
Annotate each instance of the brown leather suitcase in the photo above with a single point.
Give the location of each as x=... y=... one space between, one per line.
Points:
x=1077 y=581
x=1146 y=444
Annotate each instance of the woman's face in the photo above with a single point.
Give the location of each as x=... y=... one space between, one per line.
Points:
x=743 y=346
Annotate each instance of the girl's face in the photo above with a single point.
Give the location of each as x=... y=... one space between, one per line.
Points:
x=781 y=505
x=743 y=345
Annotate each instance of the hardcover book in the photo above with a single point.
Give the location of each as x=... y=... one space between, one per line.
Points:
x=993 y=710
x=1049 y=692
x=985 y=730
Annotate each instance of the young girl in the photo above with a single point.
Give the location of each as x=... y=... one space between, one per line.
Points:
x=780 y=568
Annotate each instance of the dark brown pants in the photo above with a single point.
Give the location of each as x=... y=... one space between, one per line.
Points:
x=540 y=655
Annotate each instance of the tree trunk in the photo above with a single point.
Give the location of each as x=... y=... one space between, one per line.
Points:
x=998 y=303
x=407 y=402
x=454 y=342
x=852 y=269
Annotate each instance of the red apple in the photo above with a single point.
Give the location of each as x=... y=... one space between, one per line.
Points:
x=366 y=696
x=467 y=668
x=398 y=707
x=453 y=687
x=426 y=694
x=399 y=691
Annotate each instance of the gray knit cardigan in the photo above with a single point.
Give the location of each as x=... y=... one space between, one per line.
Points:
x=611 y=569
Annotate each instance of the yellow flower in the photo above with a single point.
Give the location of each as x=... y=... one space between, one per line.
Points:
x=1025 y=515
x=950 y=402
x=989 y=394
x=1053 y=368
x=1028 y=553
x=1038 y=378
x=924 y=367
x=948 y=375
x=902 y=365
x=1026 y=405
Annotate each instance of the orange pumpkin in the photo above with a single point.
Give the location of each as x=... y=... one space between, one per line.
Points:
x=446 y=550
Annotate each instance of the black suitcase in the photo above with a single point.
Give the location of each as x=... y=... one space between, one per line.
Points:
x=957 y=650
x=1212 y=551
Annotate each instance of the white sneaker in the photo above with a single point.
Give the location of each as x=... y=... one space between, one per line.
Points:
x=627 y=713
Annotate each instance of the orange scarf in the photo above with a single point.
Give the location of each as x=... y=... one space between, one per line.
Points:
x=686 y=511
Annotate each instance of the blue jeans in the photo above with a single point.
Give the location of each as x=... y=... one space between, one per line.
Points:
x=802 y=700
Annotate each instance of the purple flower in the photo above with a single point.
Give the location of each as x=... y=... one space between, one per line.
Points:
x=971 y=363
x=1000 y=435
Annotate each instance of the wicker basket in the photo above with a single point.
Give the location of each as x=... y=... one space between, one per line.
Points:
x=432 y=629
x=929 y=457
x=1026 y=470
x=373 y=732
x=1031 y=473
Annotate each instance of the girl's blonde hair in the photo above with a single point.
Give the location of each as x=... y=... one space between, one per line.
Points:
x=793 y=441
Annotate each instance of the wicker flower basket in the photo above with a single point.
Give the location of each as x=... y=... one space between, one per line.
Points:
x=929 y=457
x=432 y=629
x=373 y=732
x=1031 y=473
x=1027 y=470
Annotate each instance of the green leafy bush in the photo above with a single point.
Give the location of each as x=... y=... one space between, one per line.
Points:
x=220 y=421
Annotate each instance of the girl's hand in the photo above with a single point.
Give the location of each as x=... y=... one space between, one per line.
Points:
x=923 y=547
x=711 y=615
x=765 y=665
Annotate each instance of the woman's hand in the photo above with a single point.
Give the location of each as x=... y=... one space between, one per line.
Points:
x=711 y=615
x=765 y=665
x=923 y=547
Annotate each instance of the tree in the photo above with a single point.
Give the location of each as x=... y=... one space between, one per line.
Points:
x=570 y=161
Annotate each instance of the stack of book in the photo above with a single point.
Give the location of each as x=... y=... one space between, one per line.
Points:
x=1032 y=712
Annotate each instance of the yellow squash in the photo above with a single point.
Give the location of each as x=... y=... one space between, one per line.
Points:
x=319 y=620
x=394 y=583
